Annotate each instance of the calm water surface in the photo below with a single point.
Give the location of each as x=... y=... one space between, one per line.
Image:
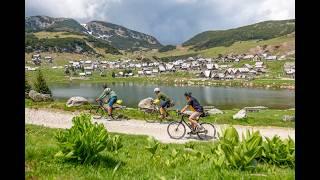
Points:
x=220 y=97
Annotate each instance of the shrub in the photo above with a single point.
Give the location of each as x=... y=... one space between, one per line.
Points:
x=113 y=74
x=233 y=153
x=83 y=141
x=27 y=86
x=40 y=85
x=278 y=152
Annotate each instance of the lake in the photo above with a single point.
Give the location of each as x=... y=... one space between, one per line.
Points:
x=220 y=97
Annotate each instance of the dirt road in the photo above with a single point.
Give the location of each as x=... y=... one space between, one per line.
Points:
x=61 y=119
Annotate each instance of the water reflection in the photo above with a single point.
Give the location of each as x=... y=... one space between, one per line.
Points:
x=221 y=97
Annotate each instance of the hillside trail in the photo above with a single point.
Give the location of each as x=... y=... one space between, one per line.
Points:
x=62 y=119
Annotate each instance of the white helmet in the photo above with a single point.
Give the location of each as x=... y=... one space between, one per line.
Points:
x=107 y=89
x=156 y=90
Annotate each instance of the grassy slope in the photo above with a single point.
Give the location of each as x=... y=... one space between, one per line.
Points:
x=136 y=162
x=271 y=117
x=237 y=47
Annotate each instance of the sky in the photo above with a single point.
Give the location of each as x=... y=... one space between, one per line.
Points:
x=170 y=21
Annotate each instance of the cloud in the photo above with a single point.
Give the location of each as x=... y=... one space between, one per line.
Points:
x=170 y=21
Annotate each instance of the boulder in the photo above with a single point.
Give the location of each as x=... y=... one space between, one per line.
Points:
x=146 y=103
x=241 y=114
x=76 y=101
x=288 y=118
x=215 y=111
x=37 y=97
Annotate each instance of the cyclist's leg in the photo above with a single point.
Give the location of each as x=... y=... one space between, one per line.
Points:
x=193 y=119
x=163 y=112
x=110 y=104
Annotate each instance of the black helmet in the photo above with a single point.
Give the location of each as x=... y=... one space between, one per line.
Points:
x=187 y=94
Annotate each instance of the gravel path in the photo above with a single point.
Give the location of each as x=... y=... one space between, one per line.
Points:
x=62 y=119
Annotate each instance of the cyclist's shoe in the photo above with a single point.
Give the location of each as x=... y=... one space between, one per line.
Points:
x=198 y=129
x=110 y=117
x=191 y=132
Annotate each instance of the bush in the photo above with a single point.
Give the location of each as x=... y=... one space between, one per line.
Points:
x=278 y=152
x=167 y=48
x=230 y=152
x=27 y=86
x=113 y=74
x=233 y=153
x=40 y=85
x=83 y=141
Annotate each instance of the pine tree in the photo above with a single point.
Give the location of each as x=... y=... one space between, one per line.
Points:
x=113 y=74
x=40 y=85
x=27 y=86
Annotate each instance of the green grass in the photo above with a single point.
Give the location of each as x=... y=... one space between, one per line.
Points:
x=269 y=117
x=135 y=162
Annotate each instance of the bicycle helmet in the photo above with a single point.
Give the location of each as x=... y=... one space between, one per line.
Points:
x=156 y=90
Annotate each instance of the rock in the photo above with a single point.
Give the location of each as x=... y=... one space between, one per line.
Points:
x=37 y=97
x=146 y=103
x=76 y=101
x=288 y=118
x=215 y=111
x=241 y=114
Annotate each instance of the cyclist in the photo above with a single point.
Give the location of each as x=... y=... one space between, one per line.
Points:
x=165 y=102
x=194 y=105
x=112 y=99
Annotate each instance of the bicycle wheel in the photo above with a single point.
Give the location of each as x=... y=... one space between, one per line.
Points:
x=176 y=130
x=208 y=132
x=97 y=112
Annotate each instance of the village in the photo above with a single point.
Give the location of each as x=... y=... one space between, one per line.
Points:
x=220 y=68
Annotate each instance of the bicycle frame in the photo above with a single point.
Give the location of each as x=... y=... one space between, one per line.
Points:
x=183 y=121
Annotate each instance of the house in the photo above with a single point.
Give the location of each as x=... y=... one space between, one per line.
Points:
x=221 y=76
x=104 y=62
x=282 y=57
x=36 y=56
x=256 y=58
x=88 y=62
x=155 y=71
x=185 y=66
x=48 y=58
x=88 y=73
x=190 y=59
x=244 y=70
x=253 y=72
x=259 y=65
x=138 y=65
x=247 y=66
x=162 y=68
x=170 y=67
x=140 y=73
x=207 y=73
x=271 y=58
x=229 y=77
x=89 y=68
x=248 y=57
x=82 y=74
x=148 y=72
x=209 y=66
x=121 y=73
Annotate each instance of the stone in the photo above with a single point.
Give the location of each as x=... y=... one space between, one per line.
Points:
x=146 y=103
x=288 y=118
x=37 y=97
x=76 y=101
x=240 y=115
x=215 y=111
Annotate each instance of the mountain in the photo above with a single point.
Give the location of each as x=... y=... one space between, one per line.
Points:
x=117 y=36
x=121 y=37
x=262 y=31
x=39 y=23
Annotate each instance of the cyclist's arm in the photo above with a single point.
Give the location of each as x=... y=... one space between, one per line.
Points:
x=184 y=109
x=103 y=95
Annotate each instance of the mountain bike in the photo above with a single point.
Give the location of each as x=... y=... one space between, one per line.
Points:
x=98 y=111
x=152 y=113
x=177 y=129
